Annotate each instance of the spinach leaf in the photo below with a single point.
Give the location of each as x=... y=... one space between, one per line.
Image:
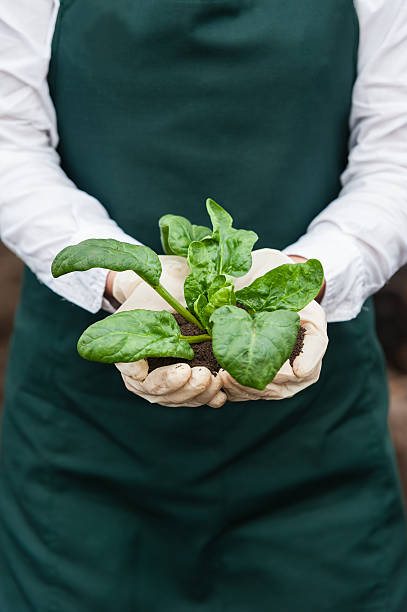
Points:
x=227 y=251
x=177 y=233
x=203 y=297
x=214 y=298
x=222 y=296
x=219 y=282
x=194 y=286
x=253 y=349
x=132 y=335
x=235 y=246
x=200 y=309
x=111 y=254
x=288 y=287
x=203 y=257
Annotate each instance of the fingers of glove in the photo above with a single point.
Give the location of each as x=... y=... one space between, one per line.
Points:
x=161 y=381
x=234 y=395
x=285 y=374
x=137 y=370
x=280 y=389
x=313 y=350
x=124 y=284
x=271 y=392
x=292 y=388
x=209 y=393
x=200 y=380
x=161 y=388
x=288 y=386
x=219 y=399
x=165 y=380
x=131 y=386
x=313 y=320
x=231 y=386
x=237 y=392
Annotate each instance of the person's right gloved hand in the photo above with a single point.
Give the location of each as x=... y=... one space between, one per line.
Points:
x=177 y=384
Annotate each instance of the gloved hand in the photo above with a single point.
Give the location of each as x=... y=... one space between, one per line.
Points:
x=174 y=385
x=306 y=366
x=181 y=385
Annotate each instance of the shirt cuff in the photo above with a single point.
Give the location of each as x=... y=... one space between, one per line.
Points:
x=107 y=306
x=343 y=268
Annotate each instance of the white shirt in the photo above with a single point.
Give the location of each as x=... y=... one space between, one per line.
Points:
x=360 y=238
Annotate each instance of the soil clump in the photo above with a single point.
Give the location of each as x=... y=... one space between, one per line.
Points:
x=203 y=354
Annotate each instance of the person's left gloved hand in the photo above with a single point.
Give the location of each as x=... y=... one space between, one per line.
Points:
x=306 y=367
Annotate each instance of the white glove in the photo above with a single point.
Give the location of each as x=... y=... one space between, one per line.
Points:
x=177 y=384
x=307 y=365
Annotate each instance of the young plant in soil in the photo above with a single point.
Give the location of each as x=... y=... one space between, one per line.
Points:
x=252 y=331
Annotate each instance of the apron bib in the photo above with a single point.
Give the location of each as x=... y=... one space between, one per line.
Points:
x=109 y=503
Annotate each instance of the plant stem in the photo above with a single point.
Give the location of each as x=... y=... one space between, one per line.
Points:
x=177 y=306
x=196 y=339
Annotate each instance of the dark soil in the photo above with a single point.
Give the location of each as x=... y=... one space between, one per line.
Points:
x=299 y=343
x=203 y=351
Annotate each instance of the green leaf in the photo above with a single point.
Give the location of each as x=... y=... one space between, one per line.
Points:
x=110 y=254
x=194 y=286
x=288 y=287
x=132 y=335
x=203 y=298
x=203 y=258
x=177 y=233
x=253 y=349
x=201 y=310
x=235 y=245
x=227 y=251
x=218 y=282
x=221 y=219
x=224 y=295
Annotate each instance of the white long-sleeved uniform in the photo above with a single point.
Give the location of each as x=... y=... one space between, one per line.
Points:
x=361 y=237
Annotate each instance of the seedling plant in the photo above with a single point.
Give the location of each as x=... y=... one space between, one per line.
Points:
x=251 y=341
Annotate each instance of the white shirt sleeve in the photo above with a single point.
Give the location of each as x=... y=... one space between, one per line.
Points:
x=361 y=237
x=41 y=210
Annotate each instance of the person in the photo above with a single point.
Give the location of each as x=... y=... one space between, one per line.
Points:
x=109 y=502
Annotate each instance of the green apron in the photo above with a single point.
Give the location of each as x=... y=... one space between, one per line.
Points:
x=109 y=503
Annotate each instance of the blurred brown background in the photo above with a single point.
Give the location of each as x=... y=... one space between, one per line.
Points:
x=10 y=275
x=391 y=308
